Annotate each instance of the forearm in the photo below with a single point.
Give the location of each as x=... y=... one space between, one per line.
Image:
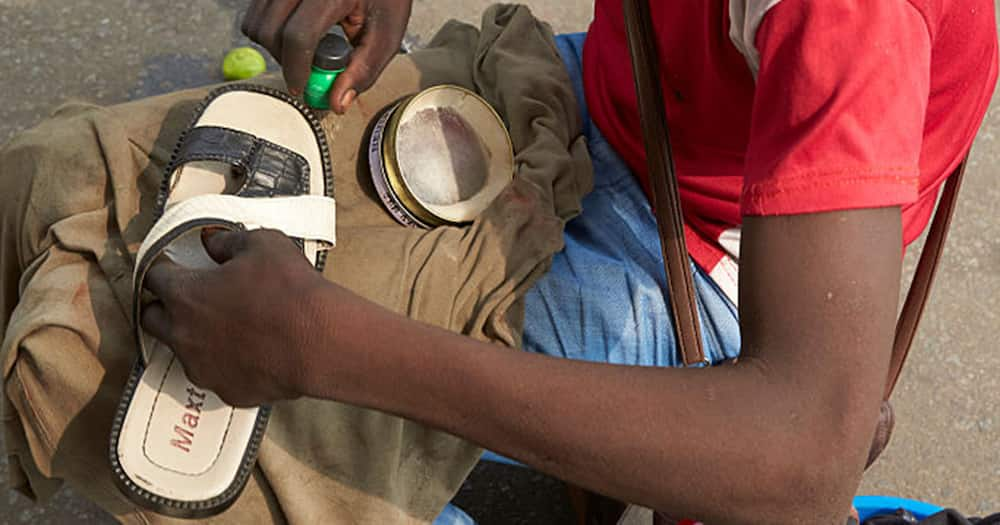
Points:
x=715 y=443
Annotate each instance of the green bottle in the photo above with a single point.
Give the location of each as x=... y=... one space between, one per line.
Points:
x=331 y=58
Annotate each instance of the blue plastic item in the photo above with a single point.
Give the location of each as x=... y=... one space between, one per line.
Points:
x=870 y=506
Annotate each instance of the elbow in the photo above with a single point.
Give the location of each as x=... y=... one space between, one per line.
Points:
x=817 y=480
x=804 y=476
x=819 y=490
x=799 y=455
x=801 y=472
x=802 y=462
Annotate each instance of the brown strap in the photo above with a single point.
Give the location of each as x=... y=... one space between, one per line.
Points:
x=663 y=179
x=923 y=277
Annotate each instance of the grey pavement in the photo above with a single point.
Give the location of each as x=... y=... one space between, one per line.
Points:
x=946 y=448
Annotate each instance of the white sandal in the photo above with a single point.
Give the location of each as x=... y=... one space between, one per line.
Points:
x=252 y=158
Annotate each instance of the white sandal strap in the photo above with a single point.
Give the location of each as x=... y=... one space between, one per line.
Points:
x=307 y=217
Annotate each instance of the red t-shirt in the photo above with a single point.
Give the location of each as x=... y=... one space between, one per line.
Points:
x=794 y=106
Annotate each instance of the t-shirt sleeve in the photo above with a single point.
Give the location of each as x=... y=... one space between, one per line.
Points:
x=838 y=113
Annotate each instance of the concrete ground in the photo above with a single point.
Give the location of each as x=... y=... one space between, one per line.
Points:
x=946 y=448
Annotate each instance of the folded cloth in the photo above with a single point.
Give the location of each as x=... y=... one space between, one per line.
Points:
x=76 y=195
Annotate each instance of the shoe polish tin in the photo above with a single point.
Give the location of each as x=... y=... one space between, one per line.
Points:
x=440 y=157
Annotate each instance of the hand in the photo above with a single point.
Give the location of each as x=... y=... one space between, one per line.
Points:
x=245 y=329
x=291 y=30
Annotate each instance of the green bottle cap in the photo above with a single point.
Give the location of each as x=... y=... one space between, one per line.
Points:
x=332 y=55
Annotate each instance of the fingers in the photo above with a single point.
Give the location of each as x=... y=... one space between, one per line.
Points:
x=223 y=245
x=195 y=374
x=306 y=27
x=378 y=42
x=156 y=321
x=251 y=19
x=272 y=24
x=169 y=282
x=165 y=278
x=353 y=23
x=291 y=29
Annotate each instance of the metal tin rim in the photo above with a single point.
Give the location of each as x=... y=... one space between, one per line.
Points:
x=391 y=164
x=380 y=179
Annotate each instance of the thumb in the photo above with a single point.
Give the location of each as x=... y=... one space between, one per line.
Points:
x=378 y=43
x=222 y=245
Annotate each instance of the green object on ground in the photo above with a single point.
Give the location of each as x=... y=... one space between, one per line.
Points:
x=242 y=63
x=331 y=58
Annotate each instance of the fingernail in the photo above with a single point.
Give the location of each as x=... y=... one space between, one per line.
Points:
x=295 y=91
x=348 y=97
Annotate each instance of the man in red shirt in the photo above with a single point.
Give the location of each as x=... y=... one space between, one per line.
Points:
x=811 y=139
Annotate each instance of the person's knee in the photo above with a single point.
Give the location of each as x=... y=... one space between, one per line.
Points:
x=48 y=173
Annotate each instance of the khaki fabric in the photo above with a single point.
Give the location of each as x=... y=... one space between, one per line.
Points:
x=75 y=199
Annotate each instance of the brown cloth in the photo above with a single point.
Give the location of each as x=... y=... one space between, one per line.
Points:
x=75 y=199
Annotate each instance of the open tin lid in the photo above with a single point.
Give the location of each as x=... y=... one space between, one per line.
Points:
x=445 y=155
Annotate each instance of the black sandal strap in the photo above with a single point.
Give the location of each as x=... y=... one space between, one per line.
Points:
x=270 y=169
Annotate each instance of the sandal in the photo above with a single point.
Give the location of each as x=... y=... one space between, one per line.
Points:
x=252 y=158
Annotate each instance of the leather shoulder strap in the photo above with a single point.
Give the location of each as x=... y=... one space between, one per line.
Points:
x=923 y=276
x=663 y=179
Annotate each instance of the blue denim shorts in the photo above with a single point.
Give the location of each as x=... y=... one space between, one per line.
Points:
x=604 y=298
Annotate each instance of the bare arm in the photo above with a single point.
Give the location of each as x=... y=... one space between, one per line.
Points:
x=780 y=437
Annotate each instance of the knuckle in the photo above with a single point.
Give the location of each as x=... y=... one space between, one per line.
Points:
x=353 y=21
x=275 y=235
x=173 y=285
x=364 y=75
x=266 y=237
x=177 y=290
x=237 y=241
x=295 y=36
x=250 y=241
x=161 y=285
x=266 y=39
x=267 y=36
